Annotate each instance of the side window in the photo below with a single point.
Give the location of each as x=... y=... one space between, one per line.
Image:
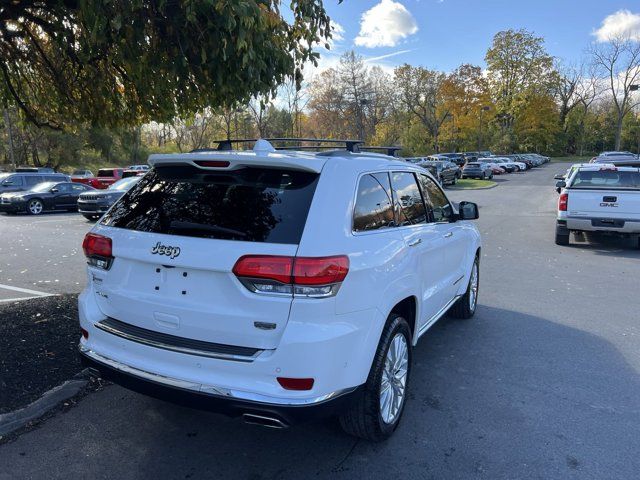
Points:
x=14 y=181
x=32 y=180
x=78 y=188
x=374 y=209
x=409 y=202
x=64 y=188
x=440 y=206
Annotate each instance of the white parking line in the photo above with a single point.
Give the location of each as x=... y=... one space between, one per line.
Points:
x=25 y=290
x=6 y=300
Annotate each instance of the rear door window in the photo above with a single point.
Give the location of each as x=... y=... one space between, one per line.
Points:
x=374 y=208
x=409 y=203
x=249 y=204
x=105 y=172
x=32 y=180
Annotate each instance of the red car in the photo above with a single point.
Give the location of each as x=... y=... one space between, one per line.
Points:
x=105 y=177
x=498 y=170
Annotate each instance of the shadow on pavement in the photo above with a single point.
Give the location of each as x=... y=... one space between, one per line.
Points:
x=504 y=395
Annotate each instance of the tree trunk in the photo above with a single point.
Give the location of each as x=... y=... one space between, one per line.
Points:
x=619 y=130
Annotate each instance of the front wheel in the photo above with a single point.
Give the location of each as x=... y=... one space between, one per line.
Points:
x=35 y=207
x=375 y=414
x=466 y=305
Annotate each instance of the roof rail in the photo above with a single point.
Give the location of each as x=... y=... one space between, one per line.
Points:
x=391 y=151
x=226 y=145
x=353 y=146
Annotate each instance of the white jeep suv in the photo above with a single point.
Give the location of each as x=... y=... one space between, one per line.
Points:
x=276 y=285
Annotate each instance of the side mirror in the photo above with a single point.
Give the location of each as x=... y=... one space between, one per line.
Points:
x=560 y=185
x=559 y=176
x=54 y=190
x=468 y=211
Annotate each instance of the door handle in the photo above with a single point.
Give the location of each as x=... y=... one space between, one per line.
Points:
x=415 y=242
x=448 y=234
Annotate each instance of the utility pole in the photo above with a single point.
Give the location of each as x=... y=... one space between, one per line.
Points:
x=7 y=123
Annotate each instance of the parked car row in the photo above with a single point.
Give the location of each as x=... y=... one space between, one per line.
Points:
x=37 y=193
x=448 y=168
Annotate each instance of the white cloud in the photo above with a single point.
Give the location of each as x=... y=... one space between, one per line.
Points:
x=337 y=31
x=622 y=23
x=385 y=24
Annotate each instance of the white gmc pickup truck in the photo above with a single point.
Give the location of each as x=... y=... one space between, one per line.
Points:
x=599 y=197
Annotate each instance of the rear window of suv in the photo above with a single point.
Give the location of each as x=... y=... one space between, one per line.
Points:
x=249 y=204
x=606 y=179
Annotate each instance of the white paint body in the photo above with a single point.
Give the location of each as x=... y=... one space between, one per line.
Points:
x=332 y=340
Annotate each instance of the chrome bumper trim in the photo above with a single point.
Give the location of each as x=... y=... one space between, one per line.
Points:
x=176 y=348
x=211 y=389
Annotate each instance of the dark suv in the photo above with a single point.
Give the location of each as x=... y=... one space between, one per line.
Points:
x=21 y=181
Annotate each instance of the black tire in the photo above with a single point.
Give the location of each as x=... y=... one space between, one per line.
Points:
x=454 y=180
x=35 y=206
x=562 y=238
x=562 y=235
x=465 y=308
x=91 y=217
x=484 y=175
x=363 y=418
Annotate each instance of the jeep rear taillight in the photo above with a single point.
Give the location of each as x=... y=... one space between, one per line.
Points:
x=563 y=201
x=98 y=250
x=304 y=276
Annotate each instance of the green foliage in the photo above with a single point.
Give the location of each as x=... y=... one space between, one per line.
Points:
x=121 y=62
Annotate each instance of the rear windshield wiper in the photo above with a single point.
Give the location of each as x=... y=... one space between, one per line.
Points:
x=178 y=225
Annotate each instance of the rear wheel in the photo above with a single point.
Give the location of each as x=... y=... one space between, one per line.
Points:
x=562 y=235
x=377 y=411
x=35 y=206
x=466 y=305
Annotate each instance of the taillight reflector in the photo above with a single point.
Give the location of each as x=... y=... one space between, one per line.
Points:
x=95 y=245
x=265 y=266
x=85 y=334
x=320 y=271
x=212 y=163
x=295 y=383
x=294 y=270
x=563 y=201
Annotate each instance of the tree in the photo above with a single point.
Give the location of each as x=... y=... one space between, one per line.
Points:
x=467 y=99
x=517 y=65
x=114 y=62
x=420 y=91
x=618 y=61
x=356 y=88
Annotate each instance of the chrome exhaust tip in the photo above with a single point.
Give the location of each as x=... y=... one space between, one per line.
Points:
x=263 y=421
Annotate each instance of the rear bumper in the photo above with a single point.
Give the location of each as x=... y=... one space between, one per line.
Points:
x=287 y=411
x=601 y=224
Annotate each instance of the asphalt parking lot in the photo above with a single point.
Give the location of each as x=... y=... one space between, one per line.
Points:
x=41 y=255
x=542 y=383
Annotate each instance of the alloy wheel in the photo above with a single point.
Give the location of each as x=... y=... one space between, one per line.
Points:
x=394 y=379
x=473 y=287
x=35 y=207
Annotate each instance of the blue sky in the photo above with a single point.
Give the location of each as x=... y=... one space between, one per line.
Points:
x=443 y=34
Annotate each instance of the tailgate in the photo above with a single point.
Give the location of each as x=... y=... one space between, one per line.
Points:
x=194 y=294
x=604 y=203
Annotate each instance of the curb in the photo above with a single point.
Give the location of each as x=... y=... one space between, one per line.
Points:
x=9 y=422
x=475 y=188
